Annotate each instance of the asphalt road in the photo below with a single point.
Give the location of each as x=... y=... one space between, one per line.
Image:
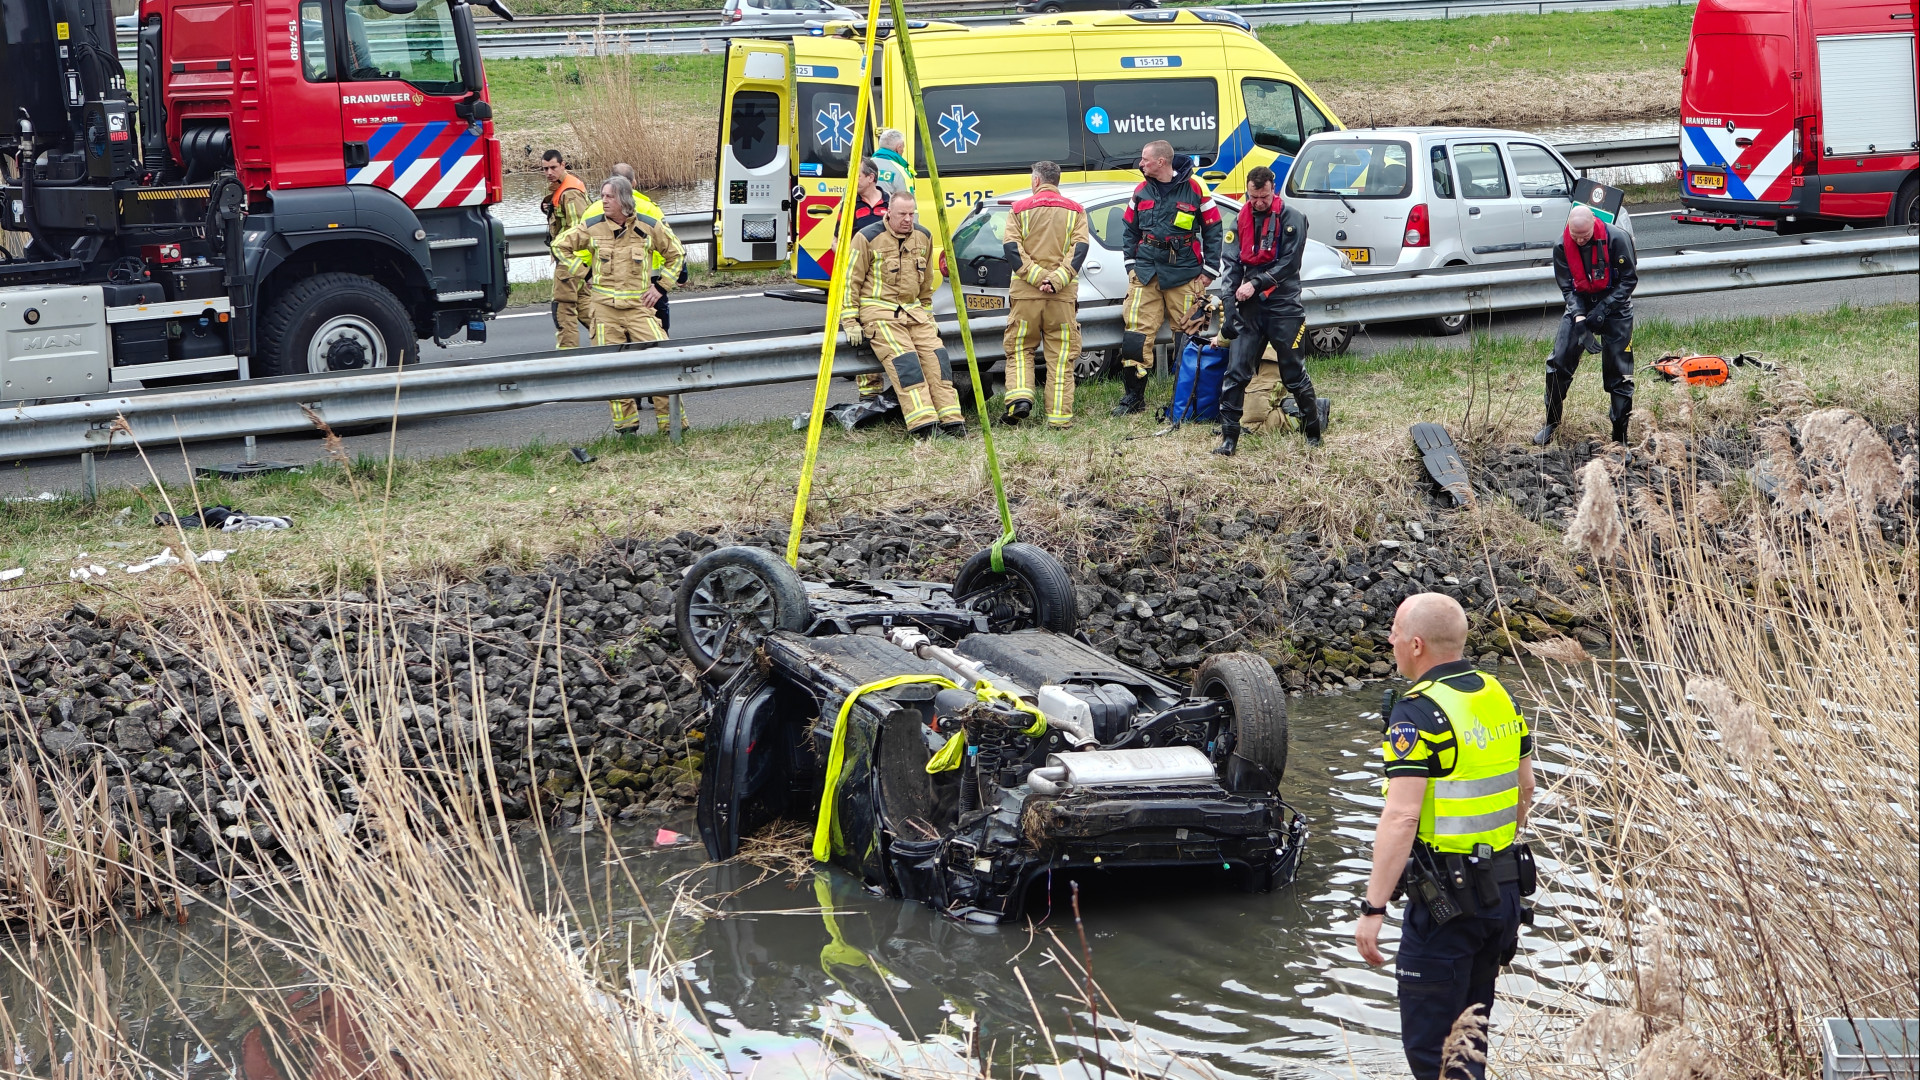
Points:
x=522 y=331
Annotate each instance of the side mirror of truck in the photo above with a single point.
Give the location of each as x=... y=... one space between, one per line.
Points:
x=472 y=110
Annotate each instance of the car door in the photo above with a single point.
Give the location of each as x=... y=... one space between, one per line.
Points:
x=1546 y=193
x=1492 y=225
x=753 y=194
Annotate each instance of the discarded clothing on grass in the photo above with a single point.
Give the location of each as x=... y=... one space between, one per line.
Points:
x=226 y=519
x=859 y=414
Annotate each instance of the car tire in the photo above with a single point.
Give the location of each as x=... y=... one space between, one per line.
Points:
x=1050 y=9
x=1095 y=364
x=1447 y=325
x=730 y=601
x=334 y=322
x=1329 y=340
x=1034 y=593
x=1139 y=5
x=1906 y=205
x=1248 y=685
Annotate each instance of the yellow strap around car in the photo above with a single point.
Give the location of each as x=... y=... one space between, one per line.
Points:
x=826 y=831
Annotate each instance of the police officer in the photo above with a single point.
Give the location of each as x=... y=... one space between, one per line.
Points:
x=1459 y=782
x=1594 y=264
x=1046 y=242
x=1263 y=279
x=1172 y=251
x=890 y=278
x=565 y=206
x=627 y=287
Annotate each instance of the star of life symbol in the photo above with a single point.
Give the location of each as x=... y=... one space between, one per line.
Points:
x=959 y=129
x=833 y=128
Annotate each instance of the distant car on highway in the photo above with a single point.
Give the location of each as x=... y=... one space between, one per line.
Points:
x=1049 y=7
x=126 y=24
x=1398 y=199
x=783 y=12
x=979 y=245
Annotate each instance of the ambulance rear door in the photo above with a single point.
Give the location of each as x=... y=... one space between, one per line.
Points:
x=753 y=193
x=826 y=74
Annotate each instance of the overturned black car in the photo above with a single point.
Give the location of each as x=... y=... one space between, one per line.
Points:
x=955 y=744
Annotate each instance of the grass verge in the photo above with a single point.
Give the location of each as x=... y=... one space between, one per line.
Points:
x=450 y=515
x=1506 y=70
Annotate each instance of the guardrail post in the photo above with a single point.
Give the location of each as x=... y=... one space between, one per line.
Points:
x=89 y=478
x=673 y=419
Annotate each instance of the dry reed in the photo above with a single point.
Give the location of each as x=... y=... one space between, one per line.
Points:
x=615 y=117
x=1754 y=837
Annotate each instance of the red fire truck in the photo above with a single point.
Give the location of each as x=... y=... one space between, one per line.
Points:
x=304 y=183
x=1799 y=115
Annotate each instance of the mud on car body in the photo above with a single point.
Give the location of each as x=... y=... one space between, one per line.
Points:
x=839 y=703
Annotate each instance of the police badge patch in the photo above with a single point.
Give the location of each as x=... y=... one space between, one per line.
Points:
x=1402 y=737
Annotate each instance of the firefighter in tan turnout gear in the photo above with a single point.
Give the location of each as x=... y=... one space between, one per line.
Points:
x=626 y=286
x=1046 y=242
x=889 y=304
x=565 y=207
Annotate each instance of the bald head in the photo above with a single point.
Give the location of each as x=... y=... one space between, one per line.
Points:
x=1428 y=629
x=625 y=172
x=1580 y=222
x=900 y=213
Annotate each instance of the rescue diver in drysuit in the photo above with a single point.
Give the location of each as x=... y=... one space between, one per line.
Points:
x=1594 y=264
x=1263 y=290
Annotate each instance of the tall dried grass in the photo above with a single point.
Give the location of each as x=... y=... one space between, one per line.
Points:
x=614 y=117
x=1756 y=845
x=69 y=854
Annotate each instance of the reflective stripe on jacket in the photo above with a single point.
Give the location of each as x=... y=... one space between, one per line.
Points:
x=891 y=276
x=1046 y=239
x=621 y=257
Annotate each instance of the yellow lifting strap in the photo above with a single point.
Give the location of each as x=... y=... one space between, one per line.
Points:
x=826 y=831
x=836 y=290
x=948 y=757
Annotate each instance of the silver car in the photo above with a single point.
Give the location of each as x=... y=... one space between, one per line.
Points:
x=1399 y=199
x=774 y=13
x=983 y=272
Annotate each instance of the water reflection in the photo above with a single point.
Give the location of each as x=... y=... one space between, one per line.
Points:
x=1244 y=984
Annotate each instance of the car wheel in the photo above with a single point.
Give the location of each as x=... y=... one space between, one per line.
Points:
x=1139 y=5
x=1447 y=325
x=1906 y=205
x=730 y=601
x=1329 y=340
x=1096 y=364
x=1259 y=705
x=334 y=322
x=1033 y=593
x=1050 y=9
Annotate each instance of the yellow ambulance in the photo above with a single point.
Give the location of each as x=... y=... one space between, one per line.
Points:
x=1085 y=91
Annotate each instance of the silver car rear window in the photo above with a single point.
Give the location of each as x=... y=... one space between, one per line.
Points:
x=1353 y=170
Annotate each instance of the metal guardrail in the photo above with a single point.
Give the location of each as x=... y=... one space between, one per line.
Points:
x=278 y=405
x=527 y=42
x=488 y=24
x=695 y=228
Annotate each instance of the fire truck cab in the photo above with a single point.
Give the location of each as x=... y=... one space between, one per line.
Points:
x=1799 y=115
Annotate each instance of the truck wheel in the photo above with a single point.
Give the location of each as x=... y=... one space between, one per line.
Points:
x=334 y=322
x=1259 y=705
x=730 y=601
x=1906 y=205
x=1329 y=340
x=1034 y=593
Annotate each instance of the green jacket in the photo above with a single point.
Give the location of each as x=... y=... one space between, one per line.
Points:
x=895 y=174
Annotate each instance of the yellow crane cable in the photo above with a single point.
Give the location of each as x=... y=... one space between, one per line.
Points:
x=836 y=286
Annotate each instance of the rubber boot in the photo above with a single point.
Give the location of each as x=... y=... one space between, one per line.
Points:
x=1557 y=386
x=954 y=429
x=1621 y=411
x=1135 y=399
x=1229 y=440
x=1017 y=412
x=1312 y=425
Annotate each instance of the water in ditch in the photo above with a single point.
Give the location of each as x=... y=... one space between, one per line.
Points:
x=1248 y=985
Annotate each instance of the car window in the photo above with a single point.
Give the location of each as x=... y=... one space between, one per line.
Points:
x=1272 y=115
x=1108 y=224
x=1001 y=128
x=313 y=42
x=826 y=126
x=753 y=131
x=1123 y=114
x=1442 y=175
x=418 y=46
x=1482 y=176
x=1312 y=120
x=983 y=233
x=1356 y=170
x=1538 y=174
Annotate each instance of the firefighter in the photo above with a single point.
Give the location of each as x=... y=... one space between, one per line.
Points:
x=1172 y=250
x=1046 y=242
x=890 y=278
x=869 y=206
x=1263 y=279
x=627 y=287
x=565 y=206
x=1459 y=765
x=892 y=172
x=1594 y=264
x=626 y=411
